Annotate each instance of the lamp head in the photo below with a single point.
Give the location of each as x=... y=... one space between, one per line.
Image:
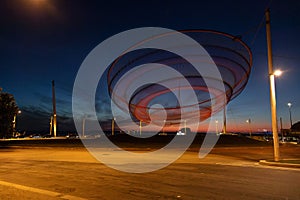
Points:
x=277 y=72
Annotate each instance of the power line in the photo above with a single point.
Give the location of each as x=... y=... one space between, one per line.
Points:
x=259 y=26
x=258 y=29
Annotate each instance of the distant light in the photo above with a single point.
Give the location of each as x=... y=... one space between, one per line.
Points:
x=37 y=1
x=289 y=104
x=19 y=111
x=277 y=72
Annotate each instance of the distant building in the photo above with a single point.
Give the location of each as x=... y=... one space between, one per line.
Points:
x=296 y=128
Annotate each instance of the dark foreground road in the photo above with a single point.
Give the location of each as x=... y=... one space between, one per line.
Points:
x=72 y=173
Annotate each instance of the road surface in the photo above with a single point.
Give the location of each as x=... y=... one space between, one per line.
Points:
x=72 y=173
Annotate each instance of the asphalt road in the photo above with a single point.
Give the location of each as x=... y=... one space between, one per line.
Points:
x=72 y=173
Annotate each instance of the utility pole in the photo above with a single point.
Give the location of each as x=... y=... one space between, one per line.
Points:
x=272 y=88
x=54 y=109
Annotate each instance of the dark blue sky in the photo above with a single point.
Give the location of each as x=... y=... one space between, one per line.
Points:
x=42 y=40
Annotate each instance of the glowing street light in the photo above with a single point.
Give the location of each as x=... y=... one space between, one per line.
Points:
x=290 y=111
x=37 y=2
x=277 y=72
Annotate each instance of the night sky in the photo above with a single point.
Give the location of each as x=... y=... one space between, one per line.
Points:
x=44 y=40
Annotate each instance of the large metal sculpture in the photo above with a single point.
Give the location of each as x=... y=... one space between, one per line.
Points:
x=230 y=54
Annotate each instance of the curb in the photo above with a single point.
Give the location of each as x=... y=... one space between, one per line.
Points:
x=278 y=164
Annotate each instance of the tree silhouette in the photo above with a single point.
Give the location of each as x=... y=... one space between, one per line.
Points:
x=8 y=110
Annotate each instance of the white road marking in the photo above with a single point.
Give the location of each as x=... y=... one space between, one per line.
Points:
x=41 y=191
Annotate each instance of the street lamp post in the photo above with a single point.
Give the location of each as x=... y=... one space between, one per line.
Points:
x=290 y=111
x=250 y=128
x=140 y=127
x=83 y=126
x=217 y=130
x=272 y=75
x=281 y=130
x=224 y=119
x=54 y=109
x=164 y=126
x=113 y=126
x=184 y=126
x=15 y=122
x=51 y=125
